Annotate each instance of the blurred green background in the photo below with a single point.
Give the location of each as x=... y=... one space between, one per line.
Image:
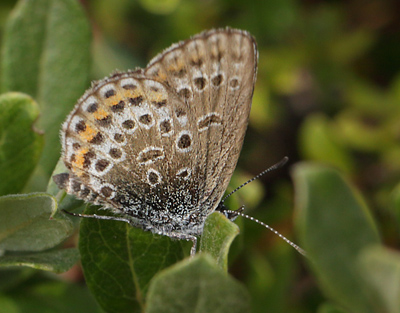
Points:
x=328 y=90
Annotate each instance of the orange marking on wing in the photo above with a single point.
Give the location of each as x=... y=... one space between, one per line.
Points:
x=88 y=134
x=158 y=98
x=174 y=68
x=131 y=94
x=79 y=158
x=100 y=114
x=116 y=99
x=162 y=76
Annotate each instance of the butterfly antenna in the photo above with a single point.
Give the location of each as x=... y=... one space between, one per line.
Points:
x=271 y=168
x=239 y=213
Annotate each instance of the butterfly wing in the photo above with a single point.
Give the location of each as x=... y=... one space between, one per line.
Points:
x=214 y=74
x=128 y=142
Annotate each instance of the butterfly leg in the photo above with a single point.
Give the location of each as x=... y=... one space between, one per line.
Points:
x=191 y=238
x=99 y=217
x=193 y=249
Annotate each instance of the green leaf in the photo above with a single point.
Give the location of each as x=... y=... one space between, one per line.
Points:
x=196 y=285
x=47 y=55
x=217 y=237
x=25 y=223
x=381 y=268
x=20 y=143
x=334 y=226
x=119 y=261
x=57 y=261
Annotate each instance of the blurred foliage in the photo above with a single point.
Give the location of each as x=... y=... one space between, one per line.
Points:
x=328 y=91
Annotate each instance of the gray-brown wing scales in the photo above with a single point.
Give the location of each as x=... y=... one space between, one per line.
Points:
x=214 y=73
x=128 y=139
x=240 y=64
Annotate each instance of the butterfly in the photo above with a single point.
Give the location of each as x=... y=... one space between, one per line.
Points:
x=158 y=146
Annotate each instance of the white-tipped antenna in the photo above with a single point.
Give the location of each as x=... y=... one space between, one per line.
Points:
x=238 y=213
x=271 y=168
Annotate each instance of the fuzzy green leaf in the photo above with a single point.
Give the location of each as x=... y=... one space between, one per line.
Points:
x=381 y=268
x=20 y=143
x=57 y=261
x=25 y=223
x=47 y=55
x=334 y=226
x=196 y=285
x=217 y=237
x=119 y=261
